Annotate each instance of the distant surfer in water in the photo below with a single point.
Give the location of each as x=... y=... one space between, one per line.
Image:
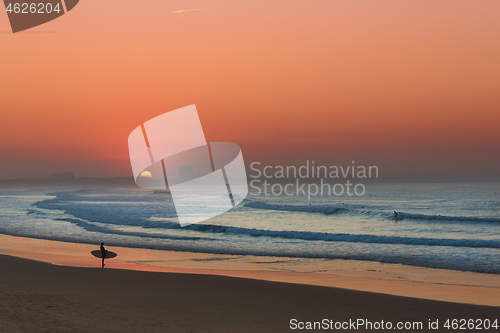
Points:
x=395 y=215
x=103 y=253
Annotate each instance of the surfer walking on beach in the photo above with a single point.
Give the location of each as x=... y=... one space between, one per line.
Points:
x=103 y=253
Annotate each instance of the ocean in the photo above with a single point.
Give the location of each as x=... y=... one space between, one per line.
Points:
x=452 y=226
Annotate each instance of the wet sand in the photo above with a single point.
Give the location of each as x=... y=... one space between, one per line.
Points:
x=401 y=280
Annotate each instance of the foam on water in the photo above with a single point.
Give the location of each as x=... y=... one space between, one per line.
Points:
x=452 y=231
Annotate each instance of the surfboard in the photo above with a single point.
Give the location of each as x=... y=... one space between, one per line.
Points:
x=109 y=254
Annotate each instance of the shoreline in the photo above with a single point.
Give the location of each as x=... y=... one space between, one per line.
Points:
x=390 y=279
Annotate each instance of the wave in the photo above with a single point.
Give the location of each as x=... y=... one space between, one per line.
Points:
x=102 y=229
x=285 y=234
x=410 y=216
x=162 y=192
x=92 y=217
x=352 y=238
x=325 y=209
x=35 y=212
x=360 y=209
x=95 y=219
x=400 y=255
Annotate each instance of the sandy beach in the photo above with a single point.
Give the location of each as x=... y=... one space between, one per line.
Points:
x=41 y=297
x=399 y=280
x=67 y=291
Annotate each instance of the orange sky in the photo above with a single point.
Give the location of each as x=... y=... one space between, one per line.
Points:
x=411 y=86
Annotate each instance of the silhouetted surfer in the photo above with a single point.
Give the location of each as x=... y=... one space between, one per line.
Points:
x=395 y=215
x=103 y=253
